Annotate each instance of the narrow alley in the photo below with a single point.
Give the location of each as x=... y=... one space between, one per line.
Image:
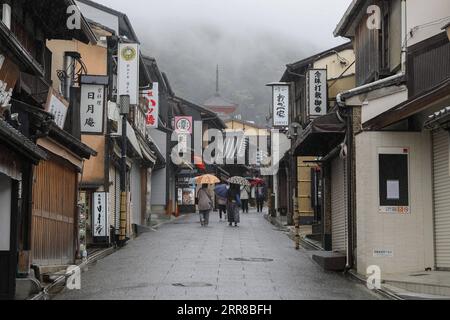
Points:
x=183 y=261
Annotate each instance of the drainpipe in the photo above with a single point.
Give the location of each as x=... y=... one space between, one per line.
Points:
x=349 y=156
x=404 y=36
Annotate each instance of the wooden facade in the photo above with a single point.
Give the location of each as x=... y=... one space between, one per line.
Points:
x=54 y=213
x=432 y=52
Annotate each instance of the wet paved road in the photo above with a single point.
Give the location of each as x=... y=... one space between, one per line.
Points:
x=183 y=261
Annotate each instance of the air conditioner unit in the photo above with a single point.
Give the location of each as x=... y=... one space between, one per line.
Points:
x=6 y=15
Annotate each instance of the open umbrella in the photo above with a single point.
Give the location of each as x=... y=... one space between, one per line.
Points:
x=257 y=181
x=239 y=180
x=221 y=190
x=207 y=179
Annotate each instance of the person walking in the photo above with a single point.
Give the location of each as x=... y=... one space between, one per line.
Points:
x=260 y=197
x=233 y=204
x=245 y=198
x=204 y=205
x=222 y=204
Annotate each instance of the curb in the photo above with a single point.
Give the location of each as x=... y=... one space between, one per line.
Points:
x=156 y=226
x=383 y=291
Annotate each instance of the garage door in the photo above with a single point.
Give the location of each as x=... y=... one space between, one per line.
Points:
x=441 y=188
x=338 y=206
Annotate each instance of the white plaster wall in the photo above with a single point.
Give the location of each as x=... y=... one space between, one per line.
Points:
x=420 y=12
x=410 y=237
x=333 y=65
x=376 y=106
x=5 y=212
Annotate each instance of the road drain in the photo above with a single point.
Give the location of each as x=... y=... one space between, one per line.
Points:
x=418 y=275
x=252 y=259
x=192 y=284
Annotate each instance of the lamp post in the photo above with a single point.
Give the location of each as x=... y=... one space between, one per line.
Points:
x=124 y=104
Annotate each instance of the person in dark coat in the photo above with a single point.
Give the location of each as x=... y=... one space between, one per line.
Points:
x=233 y=204
x=260 y=197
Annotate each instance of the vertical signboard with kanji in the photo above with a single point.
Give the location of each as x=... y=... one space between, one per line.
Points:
x=100 y=230
x=280 y=105
x=128 y=72
x=317 y=95
x=151 y=97
x=92 y=107
x=57 y=106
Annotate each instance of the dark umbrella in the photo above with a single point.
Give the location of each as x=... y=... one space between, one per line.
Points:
x=221 y=190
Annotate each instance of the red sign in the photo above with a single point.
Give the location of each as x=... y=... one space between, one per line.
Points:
x=152 y=105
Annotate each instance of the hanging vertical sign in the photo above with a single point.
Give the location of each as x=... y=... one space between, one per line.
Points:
x=100 y=224
x=128 y=72
x=317 y=95
x=92 y=107
x=280 y=105
x=57 y=106
x=151 y=97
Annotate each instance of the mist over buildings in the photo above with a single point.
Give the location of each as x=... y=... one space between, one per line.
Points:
x=250 y=40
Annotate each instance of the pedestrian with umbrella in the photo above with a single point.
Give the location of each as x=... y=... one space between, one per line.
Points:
x=221 y=192
x=205 y=199
x=234 y=199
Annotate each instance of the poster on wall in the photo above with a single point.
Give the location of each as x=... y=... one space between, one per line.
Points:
x=151 y=97
x=57 y=106
x=128 y=72
x=100 y=230
x=92 y=108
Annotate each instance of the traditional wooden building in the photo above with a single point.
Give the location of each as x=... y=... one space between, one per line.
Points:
x=33 y=118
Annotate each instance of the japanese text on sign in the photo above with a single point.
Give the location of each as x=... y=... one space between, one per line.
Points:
x=92 y=108
x=281 y=105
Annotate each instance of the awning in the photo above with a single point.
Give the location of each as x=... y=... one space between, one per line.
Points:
x=321 y=136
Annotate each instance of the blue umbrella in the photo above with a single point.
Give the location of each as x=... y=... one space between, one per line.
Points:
x=221 y=190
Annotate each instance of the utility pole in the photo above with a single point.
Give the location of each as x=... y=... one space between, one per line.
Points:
x=124 y=103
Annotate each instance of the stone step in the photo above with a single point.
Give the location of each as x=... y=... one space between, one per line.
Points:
x=330 y=261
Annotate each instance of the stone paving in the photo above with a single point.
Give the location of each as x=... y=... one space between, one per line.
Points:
x=183 y=261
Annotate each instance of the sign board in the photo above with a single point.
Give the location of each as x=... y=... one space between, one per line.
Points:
x=57 y=106
x=383 y=253
x=151 y=97
x=317 y=92
x=92 y=108
x=183 y=125
x=280 y=105
x=128 y=72
x=100 y=210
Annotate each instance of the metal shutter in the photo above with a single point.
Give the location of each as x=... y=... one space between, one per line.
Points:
x=136 y=193
x=117 y=200
x=441 y=191
x=338 y=205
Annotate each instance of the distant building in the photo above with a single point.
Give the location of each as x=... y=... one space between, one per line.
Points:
x=219 y=105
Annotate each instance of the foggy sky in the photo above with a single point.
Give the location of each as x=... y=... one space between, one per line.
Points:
x=251 y=40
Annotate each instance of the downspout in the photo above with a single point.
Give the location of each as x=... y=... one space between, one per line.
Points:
x=348 y=154
x=404 y=36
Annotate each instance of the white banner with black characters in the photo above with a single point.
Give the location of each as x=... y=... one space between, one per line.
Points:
x=317 y=95
x=128 y=72
x=57 y=106
x=100 y=215
x=280 y=105
x=92 y=108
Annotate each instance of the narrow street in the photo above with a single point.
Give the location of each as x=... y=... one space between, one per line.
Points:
x=183 y=261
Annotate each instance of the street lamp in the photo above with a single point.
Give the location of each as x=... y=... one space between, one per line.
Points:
x=124 y=104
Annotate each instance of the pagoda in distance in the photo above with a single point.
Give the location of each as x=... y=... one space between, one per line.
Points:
x=219 y=105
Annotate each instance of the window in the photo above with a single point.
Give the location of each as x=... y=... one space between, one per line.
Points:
x=394 y=180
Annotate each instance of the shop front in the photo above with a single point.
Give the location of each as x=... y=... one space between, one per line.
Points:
x=186 y=191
